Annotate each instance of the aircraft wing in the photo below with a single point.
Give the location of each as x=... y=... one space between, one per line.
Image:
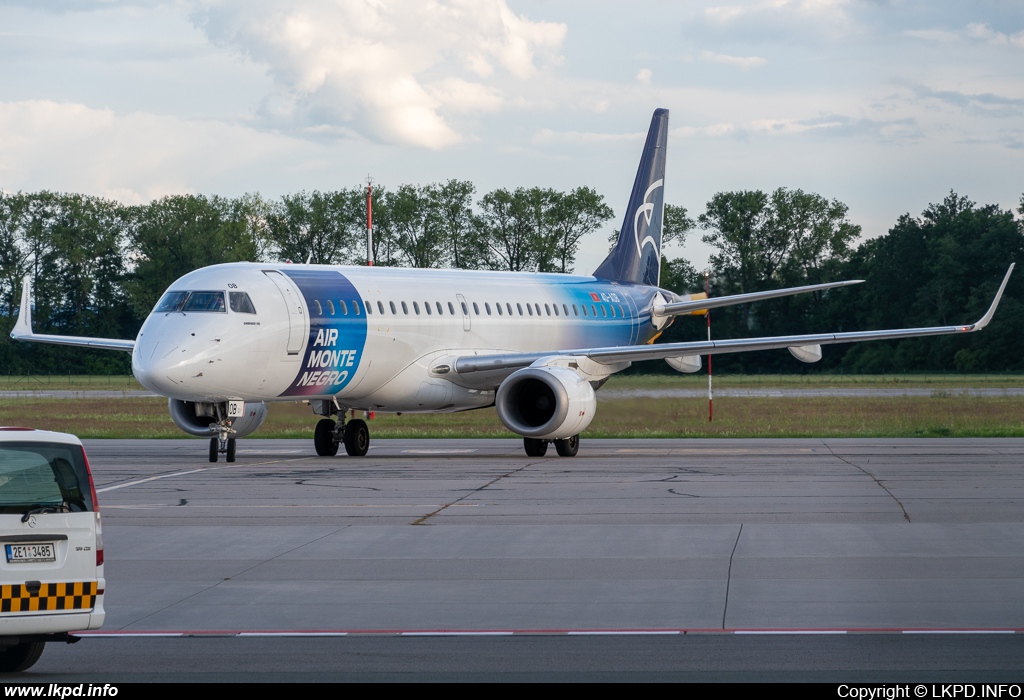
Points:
x=700 y=306
x=23 y=329
x=630 y=353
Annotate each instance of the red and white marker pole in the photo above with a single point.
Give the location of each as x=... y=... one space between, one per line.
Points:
x=369 y=223
x=711 y=411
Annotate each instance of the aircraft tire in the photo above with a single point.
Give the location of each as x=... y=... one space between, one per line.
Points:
x=323 y=438
x=535 y=447
x=357 y=438
x=568 y=447
x=231 y=450
x=214 y=449
x=20 y=656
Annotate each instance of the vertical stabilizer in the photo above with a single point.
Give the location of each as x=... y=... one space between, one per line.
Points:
x=636 y=256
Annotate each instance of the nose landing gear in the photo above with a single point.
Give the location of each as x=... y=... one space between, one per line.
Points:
x=222 y=444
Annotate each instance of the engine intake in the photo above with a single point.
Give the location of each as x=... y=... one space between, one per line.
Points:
x=196 y=418
x=552 y=403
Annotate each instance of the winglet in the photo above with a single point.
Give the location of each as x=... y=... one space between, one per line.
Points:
x=995 y=302
x=23 y=327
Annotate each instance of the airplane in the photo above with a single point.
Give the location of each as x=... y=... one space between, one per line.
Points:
x=226 y=340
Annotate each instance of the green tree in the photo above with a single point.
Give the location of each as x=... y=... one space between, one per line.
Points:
x=172 y=236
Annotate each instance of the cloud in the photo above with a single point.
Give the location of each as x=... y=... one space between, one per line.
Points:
x=548 y=136
x=746 y=63
x=132 y=158
x=395 y=71
x=643 y=76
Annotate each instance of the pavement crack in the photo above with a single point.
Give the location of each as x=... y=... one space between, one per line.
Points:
x=873 y=478
x=728 y=575
x=423 y=520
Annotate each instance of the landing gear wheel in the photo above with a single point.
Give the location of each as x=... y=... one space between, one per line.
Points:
x=357 y=438
x=568 y=447
x=214 y=449
x=231 y=450
x=20 y=656
x=323 y=438
x=535 y=447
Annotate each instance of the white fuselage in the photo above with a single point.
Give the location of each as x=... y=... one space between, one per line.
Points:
x=370 y=337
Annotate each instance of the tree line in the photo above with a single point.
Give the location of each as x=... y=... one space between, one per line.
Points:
x=99 y=266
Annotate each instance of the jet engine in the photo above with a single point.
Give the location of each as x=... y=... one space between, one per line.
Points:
x=552 y=403
x=195 y=418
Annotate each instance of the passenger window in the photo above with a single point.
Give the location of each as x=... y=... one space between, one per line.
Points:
x=369 y=307
x=405 y=308
x=509 y=307
x=394 y=309
x=355 y=306
x=622 y=313
x=380 y=306
x=529 y=309
x=319 y=309
x=604 y=312
x=344 y=307
x=465 y=309
x=537 y=306
x=240 y=303
x=555 y=307
x=451 y=308
x=476 y=309
x=594 y=309
x=498 y=307
x=565 y=309
x=520 y=307
x=426 y=307
x=575 y=312
x=440 y=311
x=487 y=308
x=582 y=306
x=547 y=310
x=330 y=307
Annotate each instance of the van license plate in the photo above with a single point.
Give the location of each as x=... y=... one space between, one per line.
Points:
x=28 y=553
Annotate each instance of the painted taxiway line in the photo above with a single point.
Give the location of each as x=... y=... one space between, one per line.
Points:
x=99 y=634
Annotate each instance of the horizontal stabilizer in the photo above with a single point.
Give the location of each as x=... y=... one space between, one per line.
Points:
x=686 y=307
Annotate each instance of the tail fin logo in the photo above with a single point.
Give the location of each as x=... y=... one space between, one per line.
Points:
x=647 y=211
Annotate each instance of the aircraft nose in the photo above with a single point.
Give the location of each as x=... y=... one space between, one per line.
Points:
x=159 y=365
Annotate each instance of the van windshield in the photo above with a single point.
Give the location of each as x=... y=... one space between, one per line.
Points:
x=43 y=475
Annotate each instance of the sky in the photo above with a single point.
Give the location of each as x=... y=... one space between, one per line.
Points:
x=883 y=105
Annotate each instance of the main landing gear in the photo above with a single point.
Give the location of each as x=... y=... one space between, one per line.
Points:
x=330 y=433
x=565 y=448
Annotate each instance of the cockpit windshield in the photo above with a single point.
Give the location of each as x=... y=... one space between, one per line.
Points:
x=191 y=302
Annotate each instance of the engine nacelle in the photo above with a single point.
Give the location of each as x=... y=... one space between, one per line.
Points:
x=196 y=418
x=551 y=403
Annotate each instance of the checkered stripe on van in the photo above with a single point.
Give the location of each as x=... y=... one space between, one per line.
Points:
x=79 y=595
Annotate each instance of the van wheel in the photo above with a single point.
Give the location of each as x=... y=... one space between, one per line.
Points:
x=20 y=656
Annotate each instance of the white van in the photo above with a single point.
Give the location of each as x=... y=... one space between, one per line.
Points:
x=51 y=568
